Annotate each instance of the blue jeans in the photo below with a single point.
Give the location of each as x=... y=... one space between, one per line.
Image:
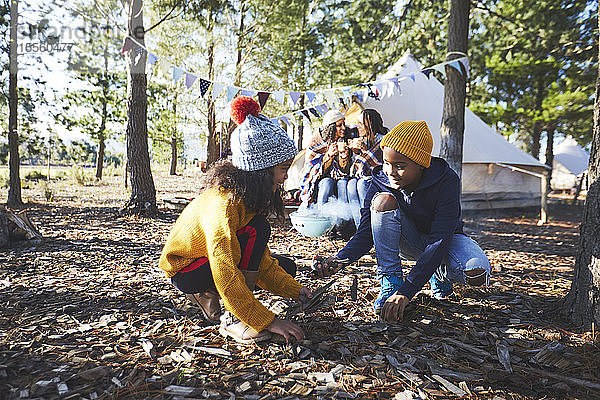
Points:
x=325 y=190
x=396 y=237
x=361 y=187
x=354 y=199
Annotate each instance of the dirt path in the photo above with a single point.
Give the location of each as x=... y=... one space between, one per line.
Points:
x=86 y=314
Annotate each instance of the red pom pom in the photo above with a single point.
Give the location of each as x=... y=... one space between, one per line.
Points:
x=241 y=107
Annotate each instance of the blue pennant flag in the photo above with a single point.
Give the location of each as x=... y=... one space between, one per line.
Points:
x=231 y=93
x=295 y=96
x=189 y=79
x=151 y=59
x=177 y=73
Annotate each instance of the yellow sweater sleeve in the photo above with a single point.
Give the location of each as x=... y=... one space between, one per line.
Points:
x=224 y=255
x=273 y=278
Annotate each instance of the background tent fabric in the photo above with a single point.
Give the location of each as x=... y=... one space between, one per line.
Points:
x=496 y=174
x=570 y=163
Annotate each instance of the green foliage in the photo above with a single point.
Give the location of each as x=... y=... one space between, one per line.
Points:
x=35 y=175
x=98 y=108
x=4 y=180
x=532 y=64
x=80 y=176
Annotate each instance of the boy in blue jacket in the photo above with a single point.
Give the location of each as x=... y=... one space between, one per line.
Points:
x=412 y=211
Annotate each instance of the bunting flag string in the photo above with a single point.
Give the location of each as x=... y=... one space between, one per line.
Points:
x=376 y=89
x=460 y=64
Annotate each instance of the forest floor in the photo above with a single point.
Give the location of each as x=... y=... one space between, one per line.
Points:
x=87 y=314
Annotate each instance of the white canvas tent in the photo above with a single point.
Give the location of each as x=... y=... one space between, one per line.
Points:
x=570 y=163
x=496 y=174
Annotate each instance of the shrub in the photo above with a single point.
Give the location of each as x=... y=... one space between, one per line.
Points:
x=35 y=175
x=80 y=177
x=47 y=190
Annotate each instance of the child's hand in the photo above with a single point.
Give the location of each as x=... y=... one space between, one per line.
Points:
x=323 y=268
x=393 y=309
x=305 y=294
x=332 y=151
x=286 y=328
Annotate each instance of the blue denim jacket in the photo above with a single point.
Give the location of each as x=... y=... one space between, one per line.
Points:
x=434 y=207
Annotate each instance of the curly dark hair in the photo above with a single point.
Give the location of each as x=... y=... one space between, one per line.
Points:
x=254 y=188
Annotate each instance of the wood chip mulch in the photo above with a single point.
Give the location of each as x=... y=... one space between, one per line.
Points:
x=86 y=314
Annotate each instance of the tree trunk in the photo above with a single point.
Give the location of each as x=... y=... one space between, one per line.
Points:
x=14 y=185
x=453 y=118
x=100 y=158
x=238 y=69
x=104 y=117
x=578 y=189
x=212 y=147
x=582 y=303
x=550 y=156
x=173 y=170
x=537 y=125
x=143 y=192
x=301 y=124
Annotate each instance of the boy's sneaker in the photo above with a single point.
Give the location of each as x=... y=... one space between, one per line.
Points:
x=440 y=289
x=389 y=286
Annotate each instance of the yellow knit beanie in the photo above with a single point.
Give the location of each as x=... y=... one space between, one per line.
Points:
x=413 y=139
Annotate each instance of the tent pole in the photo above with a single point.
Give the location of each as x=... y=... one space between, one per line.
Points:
x=544 y=208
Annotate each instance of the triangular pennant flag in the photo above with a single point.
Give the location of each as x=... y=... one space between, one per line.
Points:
x=325 y=108
x=203 y=84
x=457 y=66
x=217 y=88
x=306 y=114
x=164 y=66
x=177 y=73
x=231 y=92
x=314 y=112
x=427 y=72
x=346 y=91
x=190 y=79
x=262 y=98
x=279 y=96
x=295 y=96
x=441 y=68
x=465 y=64
x=285 y=120
x=127 y=45
x=151 y=59
x=248 y=92
x=319 y=109
x=360 y=95
x=311 y=96
x=381 y=88
x=330 y=96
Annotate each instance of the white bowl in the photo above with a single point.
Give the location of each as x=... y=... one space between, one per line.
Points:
x=309 y=225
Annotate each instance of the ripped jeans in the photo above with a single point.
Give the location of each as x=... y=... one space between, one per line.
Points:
x=396 y=237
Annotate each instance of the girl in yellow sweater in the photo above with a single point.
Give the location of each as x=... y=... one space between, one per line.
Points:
x=218 y=246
